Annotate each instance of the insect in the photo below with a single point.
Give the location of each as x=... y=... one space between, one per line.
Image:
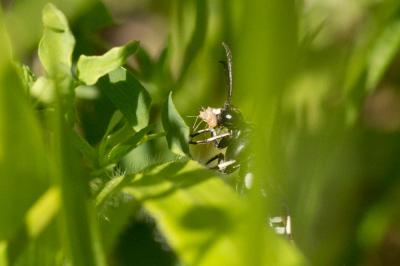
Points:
x=228 y=131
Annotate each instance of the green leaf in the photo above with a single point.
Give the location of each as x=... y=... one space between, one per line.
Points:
x=91 y=68
x=126 y=144
x=23 y=175
x=202 y=218
x=128 y=95
x=382 y=54
x=114 y=121
x=176 y=129
x=57 y=43
x=22 y=159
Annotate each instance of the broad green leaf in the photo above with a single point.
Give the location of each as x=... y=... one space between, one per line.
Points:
x=128 y=95
x=91 y=68
x=23 y=175
x=382 y=54
x=22 y=160
x=57 y=43
x=202 y=218
x=176 y=129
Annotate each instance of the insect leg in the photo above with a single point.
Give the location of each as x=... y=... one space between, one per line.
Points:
x=222 y=166
x=219 y=156
x=194 y=134
x=209 y=140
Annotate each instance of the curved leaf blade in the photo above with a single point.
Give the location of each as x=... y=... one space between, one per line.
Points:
x=176 y=129
x=91 y=68
x=23 y=170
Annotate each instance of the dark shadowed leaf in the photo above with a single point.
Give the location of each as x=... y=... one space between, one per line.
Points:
x=145 y=63
x=128 y=95
x=91 y=68
x=176 y=129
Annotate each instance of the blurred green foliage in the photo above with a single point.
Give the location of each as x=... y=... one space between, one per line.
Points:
x=96 y=104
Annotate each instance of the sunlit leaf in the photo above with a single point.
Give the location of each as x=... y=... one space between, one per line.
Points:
x=128 y=95
x=91 y=68
x=176 y=129
x=57 y=43
x=202 y=218
x=43 y=89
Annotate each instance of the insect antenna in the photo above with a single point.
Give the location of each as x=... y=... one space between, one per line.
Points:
x=196 y=126
x=228 y=71
x=195 y=122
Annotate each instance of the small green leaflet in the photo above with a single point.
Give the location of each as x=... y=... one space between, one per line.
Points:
x=91 y=68
x=57 y=43
x=176 y=129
